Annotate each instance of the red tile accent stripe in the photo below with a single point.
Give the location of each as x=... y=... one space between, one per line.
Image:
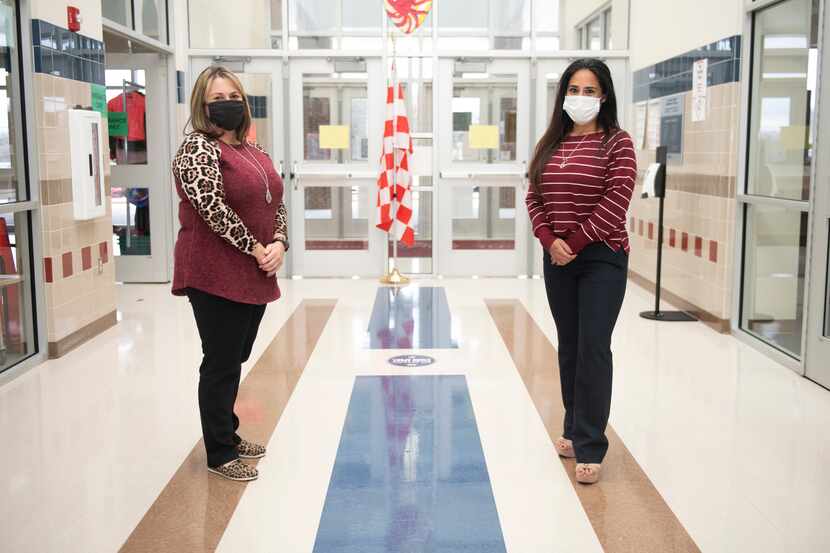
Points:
x=47 y=269
x=86 y=258
x=66 y=261
x=698 y=246
x=103 y=252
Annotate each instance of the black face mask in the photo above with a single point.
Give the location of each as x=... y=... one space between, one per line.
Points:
x=226 y=114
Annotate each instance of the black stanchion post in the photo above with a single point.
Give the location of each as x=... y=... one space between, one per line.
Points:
x=660 y=193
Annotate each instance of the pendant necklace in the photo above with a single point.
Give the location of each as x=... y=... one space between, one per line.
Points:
x=571 y=153
x=258 y=168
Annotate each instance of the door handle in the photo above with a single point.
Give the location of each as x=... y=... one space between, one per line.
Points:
x=282 y=170
x=90 y=166
x=293 y=176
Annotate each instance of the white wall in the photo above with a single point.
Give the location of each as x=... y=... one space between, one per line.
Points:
x=54 y=11
x=662 y=29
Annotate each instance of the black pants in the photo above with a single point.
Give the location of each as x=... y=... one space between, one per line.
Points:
x=585 y=298
x=228 y=330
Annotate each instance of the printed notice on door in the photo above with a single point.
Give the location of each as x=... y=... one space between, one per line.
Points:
x=699 y=87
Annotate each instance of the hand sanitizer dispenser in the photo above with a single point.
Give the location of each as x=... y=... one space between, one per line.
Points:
x=86 y=141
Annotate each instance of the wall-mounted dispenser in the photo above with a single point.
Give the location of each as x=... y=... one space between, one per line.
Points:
x=86 y=141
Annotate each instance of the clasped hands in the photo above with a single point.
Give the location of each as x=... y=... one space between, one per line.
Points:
x=270 y=258
x=561 y=253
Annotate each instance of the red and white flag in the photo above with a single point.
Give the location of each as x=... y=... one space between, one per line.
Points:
x=394 y=182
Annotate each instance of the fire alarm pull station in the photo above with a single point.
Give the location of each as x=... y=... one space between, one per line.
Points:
x=73 y=17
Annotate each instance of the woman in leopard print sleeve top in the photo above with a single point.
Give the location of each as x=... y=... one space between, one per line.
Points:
x=232 y=242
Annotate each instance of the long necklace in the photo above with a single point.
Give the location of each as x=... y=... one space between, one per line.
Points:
x=571 y=153
x=258 y=168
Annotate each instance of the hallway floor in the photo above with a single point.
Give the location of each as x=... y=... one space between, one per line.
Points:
x=714 y=446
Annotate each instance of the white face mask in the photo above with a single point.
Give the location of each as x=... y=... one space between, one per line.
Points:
x=582 y=109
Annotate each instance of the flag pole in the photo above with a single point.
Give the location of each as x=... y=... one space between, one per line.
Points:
x=394 y=277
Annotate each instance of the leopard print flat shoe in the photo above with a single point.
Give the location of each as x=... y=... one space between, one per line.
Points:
x=235 y=470
x=248 y=450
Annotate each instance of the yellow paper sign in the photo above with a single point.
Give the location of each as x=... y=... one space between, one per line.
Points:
x=334 y=137
x=794 y=137
x=484 y=137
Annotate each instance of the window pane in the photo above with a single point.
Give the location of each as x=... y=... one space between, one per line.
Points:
x=126 y=93
x=491 y=108
x=115 y=10
x=460 y=15
x=609 y=43
x=312 y=16
x=511 y=17
x=415 y=74
x=595 y=35
x=773 y=301
x=153 y=18
x=258 y=87
x=12 y=172
x=547 y=17
x=361 y=15
x=131 y=221
x=418 y=258
x=16 y=325
x=336 y=218
x=783 y=100
x=552 y=89
x=483 y=218
x=335 y=118
x=359 y=129
x=256 y=24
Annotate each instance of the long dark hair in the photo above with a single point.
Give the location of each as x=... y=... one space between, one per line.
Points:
x=560 y=122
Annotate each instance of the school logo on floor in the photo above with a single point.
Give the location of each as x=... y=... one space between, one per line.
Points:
x=411 y=361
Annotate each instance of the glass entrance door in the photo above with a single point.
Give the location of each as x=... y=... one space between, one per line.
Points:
x=817 y=358
x=336 y=111
x=483 y=130
x=137 y=106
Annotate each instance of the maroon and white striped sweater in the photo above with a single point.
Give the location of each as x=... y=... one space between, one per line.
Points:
x=587 y=200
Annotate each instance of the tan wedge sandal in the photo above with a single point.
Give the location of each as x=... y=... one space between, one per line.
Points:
x=565 y=448
x=588 y=473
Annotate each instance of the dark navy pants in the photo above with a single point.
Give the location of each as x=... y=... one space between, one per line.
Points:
x=585 y=298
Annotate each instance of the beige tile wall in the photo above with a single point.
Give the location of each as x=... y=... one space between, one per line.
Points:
x=87 y=295
x=700 y=201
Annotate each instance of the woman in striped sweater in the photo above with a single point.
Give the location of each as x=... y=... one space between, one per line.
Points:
x=582 y=176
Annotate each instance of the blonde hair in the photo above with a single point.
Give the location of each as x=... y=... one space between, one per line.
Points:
x=199 y=121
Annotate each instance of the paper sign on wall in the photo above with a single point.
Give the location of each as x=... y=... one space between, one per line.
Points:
x=640 y=136
x=99 y=99
x=794 y=137
x=117 y=123
x=700 y=77
x=334 y=137
x=484 y=137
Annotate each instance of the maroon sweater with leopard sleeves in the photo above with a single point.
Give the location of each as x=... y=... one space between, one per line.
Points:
x=224 y=213
x=587 y=199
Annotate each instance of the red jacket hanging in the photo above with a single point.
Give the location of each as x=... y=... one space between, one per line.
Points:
x=136 y=103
